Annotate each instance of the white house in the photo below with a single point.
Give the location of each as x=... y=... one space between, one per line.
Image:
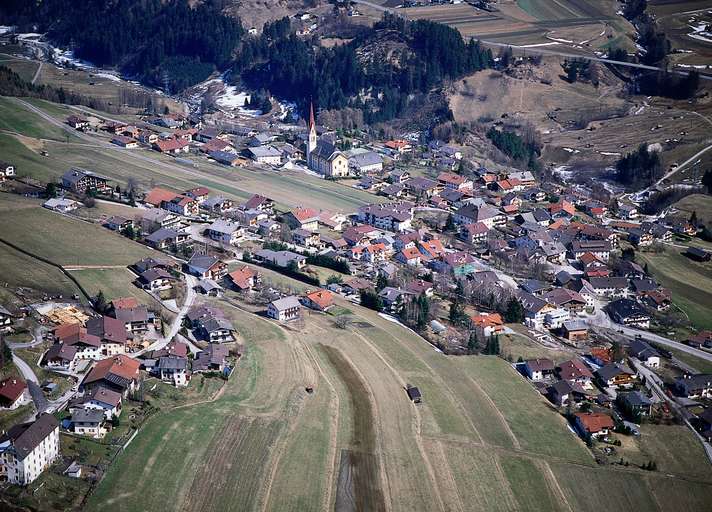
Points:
x=27 y=449
x=284 y=309
x=225 y=231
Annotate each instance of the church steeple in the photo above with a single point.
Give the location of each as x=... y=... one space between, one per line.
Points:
x=311 y=140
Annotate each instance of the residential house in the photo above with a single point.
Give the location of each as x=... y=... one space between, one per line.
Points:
x=244 y=278
x=281 y=258
x=155 y=279
x=393 y=299
x=694 y=386
x=111 y=332
x=590 y=424
x=172 y=146
x=61 y=204
x=154 y=219
x=217 y=329
x=609 y=286
x=474 y=233
x=487 y=324
x=265 y=155
x=88 y=422
x=628 y=312
x=27 y=449
x=645 y=353
x=601 y=249
x=615 y=375
x=538 y=369
x=488 y=215
x=574 y=331
x=107 y=401
x=305 y=238
x=458 y=263
x=302 y=218
x=234 y=160
x=182 y=205
x=225 y=231
x=207 y=267
x=284 y=309
x=118 y=373
x=635 y=403
x=217 y=204
x=13 y=393
x=212 y=359
x=166 y=238
x=61 y=357
x=320 y=300
x=366 y=162
x=80 y=181
x=454 y=181
x=157 y=196
x=575 y=371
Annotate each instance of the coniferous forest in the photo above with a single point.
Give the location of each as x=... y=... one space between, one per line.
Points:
x=173 y=46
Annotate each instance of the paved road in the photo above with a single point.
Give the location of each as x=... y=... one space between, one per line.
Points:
x=655 y=384
x=177 y=323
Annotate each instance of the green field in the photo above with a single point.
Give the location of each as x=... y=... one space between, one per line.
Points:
x=16 y=118
x=112 y=282
x=701 y=204
x=28 y=162
x=689 y=281
x=67 y=241
x=18 y=270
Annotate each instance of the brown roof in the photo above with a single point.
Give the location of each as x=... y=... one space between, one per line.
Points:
x=125 y=303
x=11 y=389
x=171 y=144
x=105 y=395
x=302 y=214
x=242 y=276
x=82 y=337
x=108 y=328
x=574 y=369
x=157 y=195
x=121 y=365
x=25 y=437
x=64 y=331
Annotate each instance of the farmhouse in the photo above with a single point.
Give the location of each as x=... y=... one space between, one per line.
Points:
x=80 y=181
x=266 y=155
x=284 y=309
x=27 y=449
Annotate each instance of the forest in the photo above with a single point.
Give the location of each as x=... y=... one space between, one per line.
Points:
x=298 y=69
x=165 y=44
x=639 y=168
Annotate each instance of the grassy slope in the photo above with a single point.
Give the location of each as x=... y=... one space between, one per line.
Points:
x=689 y=281
x=113 y=282
x=68 y=241
x=16 y=118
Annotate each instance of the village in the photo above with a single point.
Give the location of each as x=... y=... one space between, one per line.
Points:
x=462 y=254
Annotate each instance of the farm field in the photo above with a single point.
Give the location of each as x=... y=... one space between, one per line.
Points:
x=698 y=203
x=689 y=281
x=482 y=439
x=20 y=271
x=13 y=117
x=114 y=283
x=66 y=241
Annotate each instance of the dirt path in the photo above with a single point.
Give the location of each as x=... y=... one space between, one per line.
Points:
x=553 y=483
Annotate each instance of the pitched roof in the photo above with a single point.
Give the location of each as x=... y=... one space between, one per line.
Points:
x=121 y=365
x=25 y=437
x=322 y=298
x=242 y=276
x=158 y=195
x=594 y=422
x=12 y=388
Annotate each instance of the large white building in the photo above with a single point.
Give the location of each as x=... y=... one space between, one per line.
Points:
x=27 y=449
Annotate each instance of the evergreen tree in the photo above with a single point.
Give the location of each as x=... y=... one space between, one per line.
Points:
x=450 y=223
x=100 y=304
x=381 y=282
x=707 y=180
x=514 y=312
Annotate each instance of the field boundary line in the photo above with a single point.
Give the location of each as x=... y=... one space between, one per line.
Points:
x=506 y=426
x=415 y=422
x=334 y=405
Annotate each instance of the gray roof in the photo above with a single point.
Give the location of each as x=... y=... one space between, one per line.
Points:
x=172 y=363
x=365 y=159
x=286 y=303
x=87 y=415
x=202 y=261
x=224 y=226
x=75 y=174
x=162 y=234
x=264 y=151
x=25 y=437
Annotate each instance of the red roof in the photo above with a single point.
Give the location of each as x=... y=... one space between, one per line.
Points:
x=594 y=422
x=125 y=303
x=322 y=298
x=120 y=365
x=198 y=191
x=302 y=214
x=241 y=277
x=64 y=331
x=397 y=144
x=171 y=144
x=11 y=389
x=451 y=177
x=487 y=320
x=157 y=195
x=411 y=253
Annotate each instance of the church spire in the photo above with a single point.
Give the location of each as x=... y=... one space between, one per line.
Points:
x=311 y=114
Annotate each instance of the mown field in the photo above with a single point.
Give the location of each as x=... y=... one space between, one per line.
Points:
x=66 y=241
x=112 y=282
x=689 y=281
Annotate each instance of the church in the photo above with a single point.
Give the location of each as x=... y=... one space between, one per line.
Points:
x=322 y=155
